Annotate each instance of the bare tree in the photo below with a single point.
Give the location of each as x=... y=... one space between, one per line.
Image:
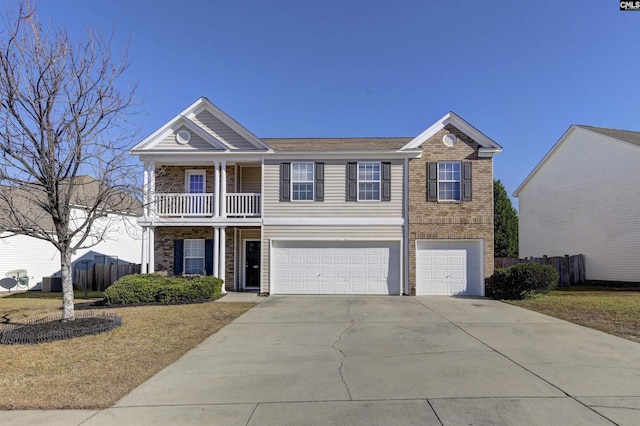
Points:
x=62 y=118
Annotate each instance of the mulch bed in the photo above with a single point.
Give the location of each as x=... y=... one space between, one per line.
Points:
x=53 y=329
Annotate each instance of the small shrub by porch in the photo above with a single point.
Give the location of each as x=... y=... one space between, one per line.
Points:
x=140 y=289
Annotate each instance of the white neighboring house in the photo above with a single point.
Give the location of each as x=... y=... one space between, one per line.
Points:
x=584 y=198
x=121 y=244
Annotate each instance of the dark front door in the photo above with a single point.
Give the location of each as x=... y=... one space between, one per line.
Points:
x=252 y=264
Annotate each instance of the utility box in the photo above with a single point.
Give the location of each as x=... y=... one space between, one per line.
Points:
x=52 y=284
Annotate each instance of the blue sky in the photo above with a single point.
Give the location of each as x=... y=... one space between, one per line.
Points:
x=521 y=72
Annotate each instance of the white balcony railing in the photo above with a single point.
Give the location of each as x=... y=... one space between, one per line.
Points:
x=199 y=205
x=183 y=204
x=243 y=205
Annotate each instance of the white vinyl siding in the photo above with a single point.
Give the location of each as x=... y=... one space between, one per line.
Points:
x=334 y=204
x=196 y=143
x=585 y=199
x=41 y=259
x=222 y=132
x=310 y=233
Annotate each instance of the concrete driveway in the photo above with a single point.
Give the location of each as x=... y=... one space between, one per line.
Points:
x=314 y=360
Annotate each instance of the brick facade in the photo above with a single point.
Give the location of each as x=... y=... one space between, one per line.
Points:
x=171 y=179
x=164 y=237
x=465 y=220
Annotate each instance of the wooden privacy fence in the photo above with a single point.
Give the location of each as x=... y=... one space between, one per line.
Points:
x=99 y=277
x=570 y=268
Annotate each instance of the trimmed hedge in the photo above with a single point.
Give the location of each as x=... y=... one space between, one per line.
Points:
x=519 y=281
x=140 y=289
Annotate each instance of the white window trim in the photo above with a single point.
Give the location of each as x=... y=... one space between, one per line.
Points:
x=459 y=163
x=195 y=172
x=312 y=182
x=184 y=256
x=369 y=181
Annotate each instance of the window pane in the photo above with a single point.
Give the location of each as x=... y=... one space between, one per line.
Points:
x=302 y=172
x=369 y=191
x=196 y=184
x=449 y=191
x=302 y=191
x=194 y=266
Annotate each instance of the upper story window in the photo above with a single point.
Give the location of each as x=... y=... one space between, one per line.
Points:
x=368 y=181
x=195 y=181
x=302 y=181
x=449 y=181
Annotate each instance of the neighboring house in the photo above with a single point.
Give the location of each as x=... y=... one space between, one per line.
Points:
x=319 y=216
x=120 y=244
x=584 y=198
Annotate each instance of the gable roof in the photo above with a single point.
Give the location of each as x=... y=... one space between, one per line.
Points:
x=186 y=118
x=336 y=144
x=20 y=203
x=621 y=135
x=488 y=146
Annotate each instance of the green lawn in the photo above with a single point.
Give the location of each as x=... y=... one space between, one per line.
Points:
x=614 y=311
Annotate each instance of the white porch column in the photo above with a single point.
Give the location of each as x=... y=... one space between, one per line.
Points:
x=145 y=192
x=151 y=253
x=223 y=189
x=151 y=196
x=144 y=259
x=216 y=245
x=216 y=189
x=222 y=253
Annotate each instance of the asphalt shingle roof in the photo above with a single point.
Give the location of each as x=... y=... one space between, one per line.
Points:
x=336 y=144
x=623 y=135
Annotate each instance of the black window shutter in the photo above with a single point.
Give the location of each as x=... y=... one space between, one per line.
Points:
x=352 y=182
x=432 y=181
x=208 y=257
x=319 y=182
x=178 y=257
x=466 y=181
x=285 y=182
x=386 y=182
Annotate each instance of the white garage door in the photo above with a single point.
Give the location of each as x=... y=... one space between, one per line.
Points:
x=449 y=267
x=336 y=267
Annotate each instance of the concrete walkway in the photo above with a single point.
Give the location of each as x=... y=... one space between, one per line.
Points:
x=314 y=360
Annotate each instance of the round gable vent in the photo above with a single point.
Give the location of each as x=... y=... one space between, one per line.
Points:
x=449 y=139
x=183 y=136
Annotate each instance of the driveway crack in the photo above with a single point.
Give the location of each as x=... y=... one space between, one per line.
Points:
x=335 y=346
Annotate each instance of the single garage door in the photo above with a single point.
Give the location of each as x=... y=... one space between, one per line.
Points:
x=449 y=267
x=335 y=267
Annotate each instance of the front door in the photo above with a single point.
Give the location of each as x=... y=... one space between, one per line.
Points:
x=252 y=264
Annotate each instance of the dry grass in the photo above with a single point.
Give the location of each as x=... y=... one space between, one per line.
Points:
x=614 y=311
x=96 y=371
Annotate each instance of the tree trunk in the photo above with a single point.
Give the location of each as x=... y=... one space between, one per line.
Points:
x=68 y=313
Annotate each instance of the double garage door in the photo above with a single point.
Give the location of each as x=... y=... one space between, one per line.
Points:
x=451 y=267
x=335 y=267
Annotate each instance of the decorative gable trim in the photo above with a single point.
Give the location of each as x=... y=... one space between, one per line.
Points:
x=207 y=105
x=488 y=146
x=185 y=118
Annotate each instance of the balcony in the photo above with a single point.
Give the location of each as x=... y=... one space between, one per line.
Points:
x=237 y=205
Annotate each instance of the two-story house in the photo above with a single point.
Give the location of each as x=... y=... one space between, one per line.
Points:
x=319 y=216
